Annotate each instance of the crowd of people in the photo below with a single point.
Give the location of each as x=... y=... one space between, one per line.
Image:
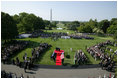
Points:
x=97 y=52
x=81 y=36
x=97 y=34
x=80 y=57
x=12 y=48
x=107 y=61
x=29 y=61
x=42 y=34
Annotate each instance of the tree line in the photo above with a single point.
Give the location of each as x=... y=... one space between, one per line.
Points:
x=92 y=26
x=24 y=23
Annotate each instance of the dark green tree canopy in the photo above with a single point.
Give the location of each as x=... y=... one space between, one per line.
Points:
x=73 y=25
x=103 y=25
x=28 y=22
x=76 y=23
x=8 y=26
x=85 y=29
x=112 y=29
x=93 y=23
x=113 y=21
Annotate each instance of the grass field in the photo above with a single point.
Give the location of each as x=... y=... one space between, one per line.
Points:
x=64 y=31
x=64 y=44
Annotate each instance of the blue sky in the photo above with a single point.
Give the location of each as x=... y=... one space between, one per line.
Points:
x=65 y=10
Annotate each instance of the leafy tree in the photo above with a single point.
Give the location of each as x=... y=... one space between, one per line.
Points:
x=113 y=21
x=22 y=15
x=53 y=24
x=28 y=22
x=8 y=26
x=82 y=24
x=103 y=25
x=93 y=23
x=85 y=29
x=97 y=30
x=39 y=23
x=19 y=20
x=73 y=25
x=115 y=35
x=16 y=18
x=112 y=29
x=76 y=23
x=47 y=23
x=20 y=27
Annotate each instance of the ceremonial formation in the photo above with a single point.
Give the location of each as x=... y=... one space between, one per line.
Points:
x=74 y=43
x=42 y=34
x=98 y=52
x=80 y=57
x=28 y=62
x=81 y=36
x=11 y=49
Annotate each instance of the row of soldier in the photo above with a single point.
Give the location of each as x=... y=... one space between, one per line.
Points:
x=107 y=61
x=81 y=36
x=95 y=50
x=54 y=34
x=29 y=61
x=46 y=34
x=80 y=57
x=14 y=47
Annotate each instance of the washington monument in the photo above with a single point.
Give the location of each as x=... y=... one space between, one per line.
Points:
x=51 y=15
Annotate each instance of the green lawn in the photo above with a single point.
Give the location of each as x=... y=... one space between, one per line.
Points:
x=64 y=31
x=64 y=44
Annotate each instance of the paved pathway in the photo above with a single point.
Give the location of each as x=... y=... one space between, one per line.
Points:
x=56 y=73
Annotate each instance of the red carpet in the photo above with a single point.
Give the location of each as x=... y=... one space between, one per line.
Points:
x=58 y=59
